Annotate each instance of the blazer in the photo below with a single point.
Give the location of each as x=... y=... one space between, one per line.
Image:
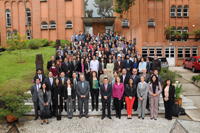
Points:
x=128 y=65
x=171 y=92
x=83 y=91
x=79 y=67
x=86 y=66
x=43 y=77
x=41 y=99
x=91 y=82
x=66 y=93
x=66 y=68
x=73 y=83
x=124 y=51
x=49 y=64
x=148 y=66
x=34 y=93
x=129 y=92
x=107 y=93
x=48 y=84
x=147 y=77
x=127 y=77
x=64 y=80
x=158 y=90
x=100 y=66
x=117 y=66
x=156 y=65
x=60 y=57
x=136 y=80
x=142 y=90
x=102 y=76
x=160 y=79
x=75 y=63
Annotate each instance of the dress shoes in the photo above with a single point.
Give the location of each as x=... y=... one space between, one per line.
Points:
x=109 y=117
x=102 y=117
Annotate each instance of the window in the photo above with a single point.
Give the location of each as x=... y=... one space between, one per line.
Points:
x=28 y=11
x=173 y=11
x=44 y=25
x=9 y=34
x=52 y=25
x=28 y=36
x=15 y=34
x=68 y=24
x=179 y=29
x=194 y=51
x=186 y=30
x=187 y=52
x=144 y=51
x=8 y=18
x=193 y=59
x=151 y=23
x=172 y=36
x=167 y=52
x=180 y=52
x=185 y=11
x=125 y=23
x=151 y=51
x=179 y=11
x=159 y=51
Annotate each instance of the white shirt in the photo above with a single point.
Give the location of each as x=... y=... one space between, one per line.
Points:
x=51 y=81
x=124 y=76
x=94 y=65
x=38 y=87
x=69 y=89
x=40 y=77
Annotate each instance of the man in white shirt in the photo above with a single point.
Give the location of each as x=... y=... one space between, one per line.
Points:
x=94 y=64
x=39 y=75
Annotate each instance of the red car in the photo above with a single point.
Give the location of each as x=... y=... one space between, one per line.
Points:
x=192 y=63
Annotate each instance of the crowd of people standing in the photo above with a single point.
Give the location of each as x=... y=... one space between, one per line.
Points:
x=106 y=65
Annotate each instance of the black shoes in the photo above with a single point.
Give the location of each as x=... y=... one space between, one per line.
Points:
x=87 y=116
x=80 y=116
x=109 y=117
x=35 y=118
x=74 y=110
x=102 y=117
x=92 y=109
x=142 y=118
x=139 y=117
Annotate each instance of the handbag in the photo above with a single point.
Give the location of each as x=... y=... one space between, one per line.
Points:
x=46 y=113
x=175 y=110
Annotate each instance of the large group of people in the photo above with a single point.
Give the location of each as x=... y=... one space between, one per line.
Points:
x=106 y=65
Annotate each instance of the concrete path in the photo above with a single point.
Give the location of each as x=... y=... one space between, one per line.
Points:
x=191 y=90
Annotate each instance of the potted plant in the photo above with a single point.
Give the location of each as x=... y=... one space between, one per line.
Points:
x=178 y=91
x=197 y=34
x=168 y=31
x=177 y=35
x=185 y=34
x=14 y=104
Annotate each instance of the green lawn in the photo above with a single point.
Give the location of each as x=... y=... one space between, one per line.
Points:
x=13 y=73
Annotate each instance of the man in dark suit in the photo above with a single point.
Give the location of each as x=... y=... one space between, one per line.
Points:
x=125 y=50
x=40 y=76
x=128 y=65
x=106 y=92
x=156 y=64
x=66 y=68
x=74 y=81
x=63 y=82
x=59 y=56
x=136 y=80
x=49 y=63
x=34 y=91
x=148 y=66
x=83 y=89
x=49 y=81
x=119 y=65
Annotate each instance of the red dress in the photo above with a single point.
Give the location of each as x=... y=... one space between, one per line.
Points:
x=54 y=71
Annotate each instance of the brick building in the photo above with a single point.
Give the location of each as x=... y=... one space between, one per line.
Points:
x=144 y=24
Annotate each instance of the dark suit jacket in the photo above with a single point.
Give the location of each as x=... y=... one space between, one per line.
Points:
x=147 y=77
x=107 y=93
x=86 y=66
x=117 y=66
x=91 y=82
x=48 y=85
x=49 y=64
x=128 y=65
x=156 y=64
x=65 y=68
x=34 y=93
x=64 y=80
x=130 y=91
x=57 y=58
x=66 y=93
x=148 y=66
x=171 y=92
x=124 y=50
x=83 y=91
x=43 y=78
x=127 y=77
x=73 y=82
x=100 y=66
x=136 y=80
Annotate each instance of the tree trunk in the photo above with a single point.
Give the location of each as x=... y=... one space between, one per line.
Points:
x=29 y=31
x=20 y=56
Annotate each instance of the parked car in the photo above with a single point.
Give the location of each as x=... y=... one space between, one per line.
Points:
x=163 y=60
x=192 y=63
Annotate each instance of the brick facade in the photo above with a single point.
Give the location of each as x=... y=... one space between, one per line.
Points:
x=60 y=11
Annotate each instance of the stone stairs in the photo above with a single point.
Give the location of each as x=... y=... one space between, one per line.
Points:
x=186 y=104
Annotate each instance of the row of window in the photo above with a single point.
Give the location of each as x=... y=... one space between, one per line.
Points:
x=9 y=34
x=8 y=17
x=180 y=30
x=52 y=25
x=125 y=23
x=179 y=11
x=169 y=52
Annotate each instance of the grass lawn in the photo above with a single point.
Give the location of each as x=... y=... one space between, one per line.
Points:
x=13 y=73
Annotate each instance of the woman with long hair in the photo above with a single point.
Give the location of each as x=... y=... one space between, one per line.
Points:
x=87 y=69
x=130 y=92
x=69 y=97
x=44 y=101
x=117 y=94
x=102 y=66
x=154 y=94
x=58 y=67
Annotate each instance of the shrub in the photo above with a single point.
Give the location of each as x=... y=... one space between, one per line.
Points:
x=44 y=42
x=62 y=42
x=34 y=43
x=53 y=44
x=195 y=78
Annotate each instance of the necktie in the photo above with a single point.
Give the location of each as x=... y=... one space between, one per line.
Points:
x=38 y=87
x=74 y=83
x=62 y=81
x=133 y=77
x=105 y=87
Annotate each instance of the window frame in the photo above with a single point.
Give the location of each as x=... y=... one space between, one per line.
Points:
x=179 y=12
x=28 y=10
x=150 y=50
x=174 y=8
x=187 y=8
x=125 y=23
x=50 y=25
x=8 y=34
x=181 y=53
x=42 y=25
x=28 y=37
x=160 y=49
x=8 y=12
x=151 y=23
x=194 y=48
x=187 y=55
x=67 y=25
x=144 y=49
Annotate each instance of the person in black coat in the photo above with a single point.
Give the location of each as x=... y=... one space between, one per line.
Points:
x=130 y=92
x=74 y=81
x=87 y=69
x=106 y=93
x=49 y=63
x=168 y=98
x=66 y=68
x=40 y=76
x=59 y=56
x=156 y=64
x=69 y=97
x=58 y=96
